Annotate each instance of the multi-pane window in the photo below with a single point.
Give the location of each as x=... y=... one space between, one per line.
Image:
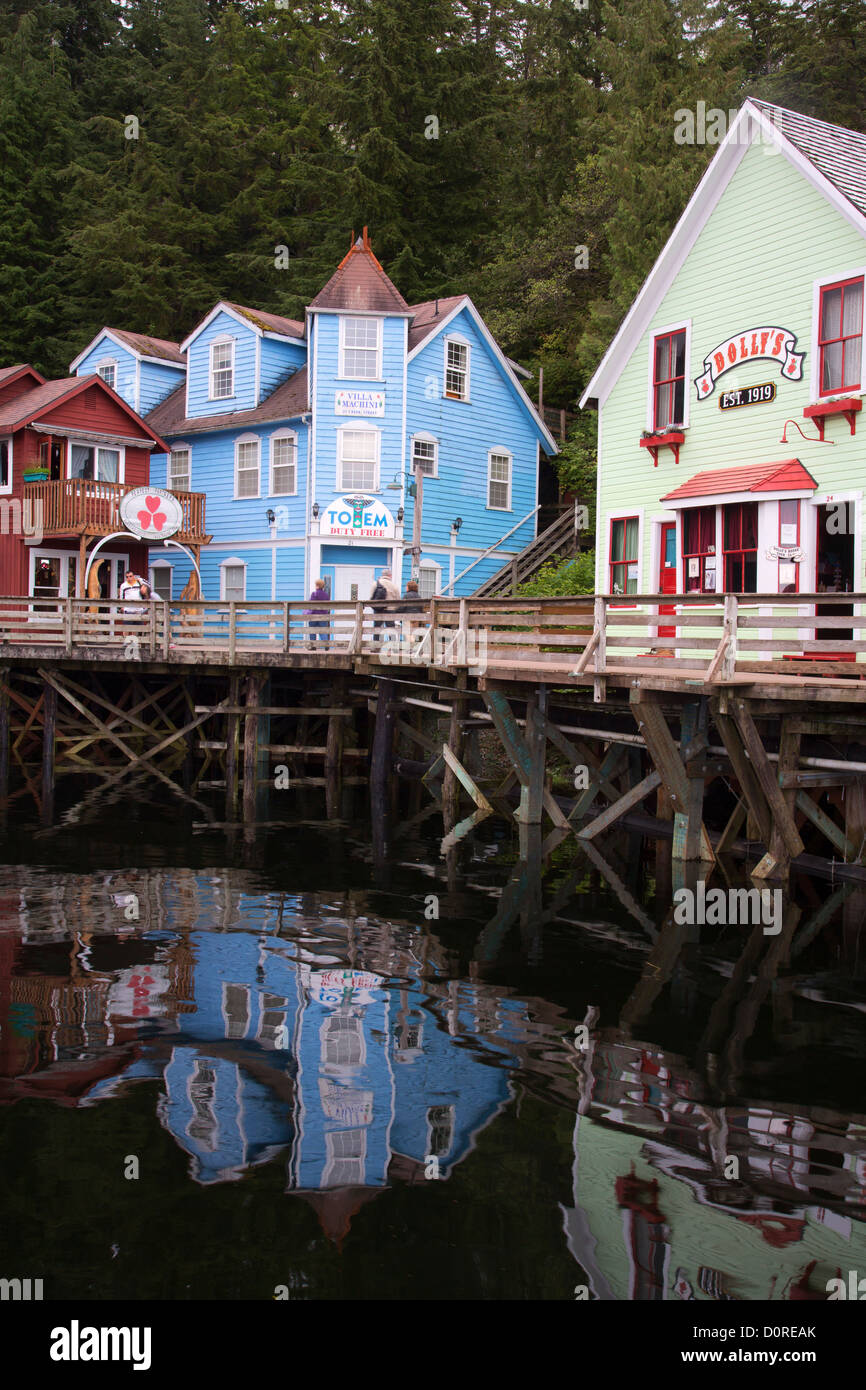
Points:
x=360 y=348
x=247 y=468
x=358 y=451
x=284 y=464
x=345 y=1151
x=424 y=452
x=160 y=581
x=840 y=338
x=108 y=372
x=221 y=370
x=740 y=531
x=623 y=555
x=5 y=464
x=669 y=379
x=178 y=470
x=428 y=581
x=234 y=582
x=440 y=1124
x=457 y=371
x=699 y=550
x=789 y=535
x=499 y=482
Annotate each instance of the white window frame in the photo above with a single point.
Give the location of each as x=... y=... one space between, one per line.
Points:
x=436 y=571
x=38 y=551
x=179 y=448
x=815 y=396
x=162 y=565
x=459 y=341
x=505 y=453
x=622 y=600
x=7 y=440
x=224 y=340
x=233 y=562
x=275 y=437
x=113 y=364
x=248 y=439
x=423 y=438
x=353 y=318
x=73 y=443
x=342 y=432
x=688 y=384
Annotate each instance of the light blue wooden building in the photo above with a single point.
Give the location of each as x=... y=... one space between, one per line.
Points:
x=308 y=437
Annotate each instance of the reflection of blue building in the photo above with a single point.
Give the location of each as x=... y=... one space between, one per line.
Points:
x=338 y=1067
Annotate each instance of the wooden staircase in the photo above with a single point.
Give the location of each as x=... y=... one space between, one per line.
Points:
x=558 y=539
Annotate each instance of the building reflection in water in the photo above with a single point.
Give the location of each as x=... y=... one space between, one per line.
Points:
x=298 y=1030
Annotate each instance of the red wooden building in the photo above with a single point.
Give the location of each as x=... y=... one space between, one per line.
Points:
x=69 y=451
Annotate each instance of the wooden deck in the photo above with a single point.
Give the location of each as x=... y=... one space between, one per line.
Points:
x=764 y=644
x=84 y=506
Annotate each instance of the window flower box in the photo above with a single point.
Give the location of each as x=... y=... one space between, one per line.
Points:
x=35 y=475
x=846 y=405
x=665 y=439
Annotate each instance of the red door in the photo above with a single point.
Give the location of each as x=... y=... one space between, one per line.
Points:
x=668 y=572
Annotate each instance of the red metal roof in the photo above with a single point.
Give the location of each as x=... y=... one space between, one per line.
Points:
x=787 y=476
x=360 y=283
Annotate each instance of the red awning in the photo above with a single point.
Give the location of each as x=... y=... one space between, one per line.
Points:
x=787 y=476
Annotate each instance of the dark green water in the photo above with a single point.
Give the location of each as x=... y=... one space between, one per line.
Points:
x=310 y=1062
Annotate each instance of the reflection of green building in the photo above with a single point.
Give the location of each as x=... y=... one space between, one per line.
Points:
x=655 y=1218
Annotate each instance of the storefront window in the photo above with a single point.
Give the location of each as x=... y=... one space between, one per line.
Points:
x=699 y=550
x=740 y=521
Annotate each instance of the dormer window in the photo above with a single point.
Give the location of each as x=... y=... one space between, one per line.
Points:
x=222 y=369
x=669 y=379
x=108 y=372
x=359 y=349
x=840 y=340
x=456 y=370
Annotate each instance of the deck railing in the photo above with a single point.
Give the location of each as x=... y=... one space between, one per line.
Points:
x=73 y=505
x=696 y=637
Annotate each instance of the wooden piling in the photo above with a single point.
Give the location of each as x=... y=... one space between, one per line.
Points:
x=383 y=751
x=232 y=746
x=4 y=731
x=255 y=683
x=49 y=732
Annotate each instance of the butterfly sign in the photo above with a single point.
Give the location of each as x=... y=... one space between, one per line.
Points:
x=151 y=512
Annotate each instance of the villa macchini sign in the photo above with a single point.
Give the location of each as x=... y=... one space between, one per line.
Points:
x=151 y=513
x=755 y=343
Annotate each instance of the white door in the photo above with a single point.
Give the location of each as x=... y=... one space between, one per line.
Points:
x=353 y=581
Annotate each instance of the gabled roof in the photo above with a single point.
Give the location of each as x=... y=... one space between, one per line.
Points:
x=140 y=344
x=829 y=157
x=426 y=318
x=268 y=323
x=287 y=401
x=22 y=410
x=8 y=374
x=787 y=476
x=840 y=154
x=359 y=283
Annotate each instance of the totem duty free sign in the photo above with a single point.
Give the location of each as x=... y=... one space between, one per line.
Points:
x=749 y=395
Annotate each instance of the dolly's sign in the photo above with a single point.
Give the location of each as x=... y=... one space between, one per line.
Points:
x=362 y=518
x=755 y=343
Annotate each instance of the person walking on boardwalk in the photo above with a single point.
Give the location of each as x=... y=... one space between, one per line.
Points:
x=317 y=620
x=384 y=588
x=131 y=594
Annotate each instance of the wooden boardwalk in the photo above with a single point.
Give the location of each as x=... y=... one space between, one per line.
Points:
x=758 y=695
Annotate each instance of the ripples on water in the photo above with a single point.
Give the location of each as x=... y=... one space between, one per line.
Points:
x=324 y=1088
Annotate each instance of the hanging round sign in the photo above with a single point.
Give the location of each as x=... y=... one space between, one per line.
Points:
x=151 y=513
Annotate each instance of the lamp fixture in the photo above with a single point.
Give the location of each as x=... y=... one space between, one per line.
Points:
x=316 y=510
x=400 y=513
x=272 y=516
x=810 y=439
x=456 y=524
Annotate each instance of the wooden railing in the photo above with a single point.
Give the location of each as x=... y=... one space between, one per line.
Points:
x=577 y=641
x=82 y=504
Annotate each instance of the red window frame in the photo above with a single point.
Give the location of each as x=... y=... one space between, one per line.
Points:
x=703 y=550
x=824 y=343
x=735 y=554
x=676 y=381
x=790 y=502
x=616 y=565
